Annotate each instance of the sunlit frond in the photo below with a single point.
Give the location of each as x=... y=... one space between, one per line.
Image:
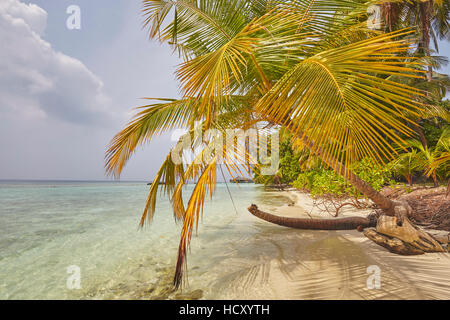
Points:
x=205 y=183
x=206 y=171
x=152 y=120
x=197 y=26
x=167 y=176
x=341 y=95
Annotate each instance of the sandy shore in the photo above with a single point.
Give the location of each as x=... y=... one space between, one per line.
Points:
x=303 y=264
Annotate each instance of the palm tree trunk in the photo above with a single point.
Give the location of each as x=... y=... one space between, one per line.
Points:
x=350 y=223
x=418 y=129
x=409 y=179
x=435 y=180
x=425 y=18
x=388 y=206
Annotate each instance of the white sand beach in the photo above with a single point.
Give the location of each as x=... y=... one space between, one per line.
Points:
x=306 y=264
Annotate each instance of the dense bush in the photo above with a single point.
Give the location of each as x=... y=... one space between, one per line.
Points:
x=322 y=181
x=289 y=167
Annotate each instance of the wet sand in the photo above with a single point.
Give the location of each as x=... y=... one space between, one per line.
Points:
x=283 y=263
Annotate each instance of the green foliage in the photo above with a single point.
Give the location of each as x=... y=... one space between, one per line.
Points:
x=432 y=133
x=305 y=180
x=377 y=177
x=290 y=167
x=322 y=181
x=428 y=161
x=260 y=179
x=319 y=180
x=407 y=165
x=434 y=128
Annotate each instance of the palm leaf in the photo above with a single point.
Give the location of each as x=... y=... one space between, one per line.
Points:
x=152 y=120
x=167 y=175
x=205 y=185
x=336 y=96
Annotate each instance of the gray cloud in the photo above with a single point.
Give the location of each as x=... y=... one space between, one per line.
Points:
x=36 y=80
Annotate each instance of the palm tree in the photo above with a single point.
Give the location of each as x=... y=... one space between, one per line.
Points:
x=310 y=67
x=429 y=17
x=425 y=157
x=440 y=159
x=432 y=18
x=444 y=159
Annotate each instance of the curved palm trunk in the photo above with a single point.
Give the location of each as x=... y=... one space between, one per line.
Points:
x=350 y=223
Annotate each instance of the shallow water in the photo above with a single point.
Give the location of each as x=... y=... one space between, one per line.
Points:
x=45 y=227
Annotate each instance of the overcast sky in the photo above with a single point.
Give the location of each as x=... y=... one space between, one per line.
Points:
x=65 y=93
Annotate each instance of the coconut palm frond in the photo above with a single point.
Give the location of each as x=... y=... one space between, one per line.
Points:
x=444 y=159
x=205 y=185
x=335 y=96
x=153 y=119
x=193 y=172
x=216 y=74
x=196 y=27
x=442 y=150
x=167 y=176
x=429 y=111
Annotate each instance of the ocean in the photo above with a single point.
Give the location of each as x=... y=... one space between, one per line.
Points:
x=48 y=229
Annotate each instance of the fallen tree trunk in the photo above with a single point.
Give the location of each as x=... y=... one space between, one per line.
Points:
x=396 y=234
x=350 y=223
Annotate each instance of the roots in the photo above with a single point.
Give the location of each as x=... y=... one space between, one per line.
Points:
x=402 y=239
x=332 y=205
x=392 y=244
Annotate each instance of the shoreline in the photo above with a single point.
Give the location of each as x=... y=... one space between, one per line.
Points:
x=302 y=201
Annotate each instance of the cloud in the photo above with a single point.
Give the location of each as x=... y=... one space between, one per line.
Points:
x=36 y=80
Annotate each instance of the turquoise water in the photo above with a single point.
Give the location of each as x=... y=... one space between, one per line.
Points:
x=46 y=227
